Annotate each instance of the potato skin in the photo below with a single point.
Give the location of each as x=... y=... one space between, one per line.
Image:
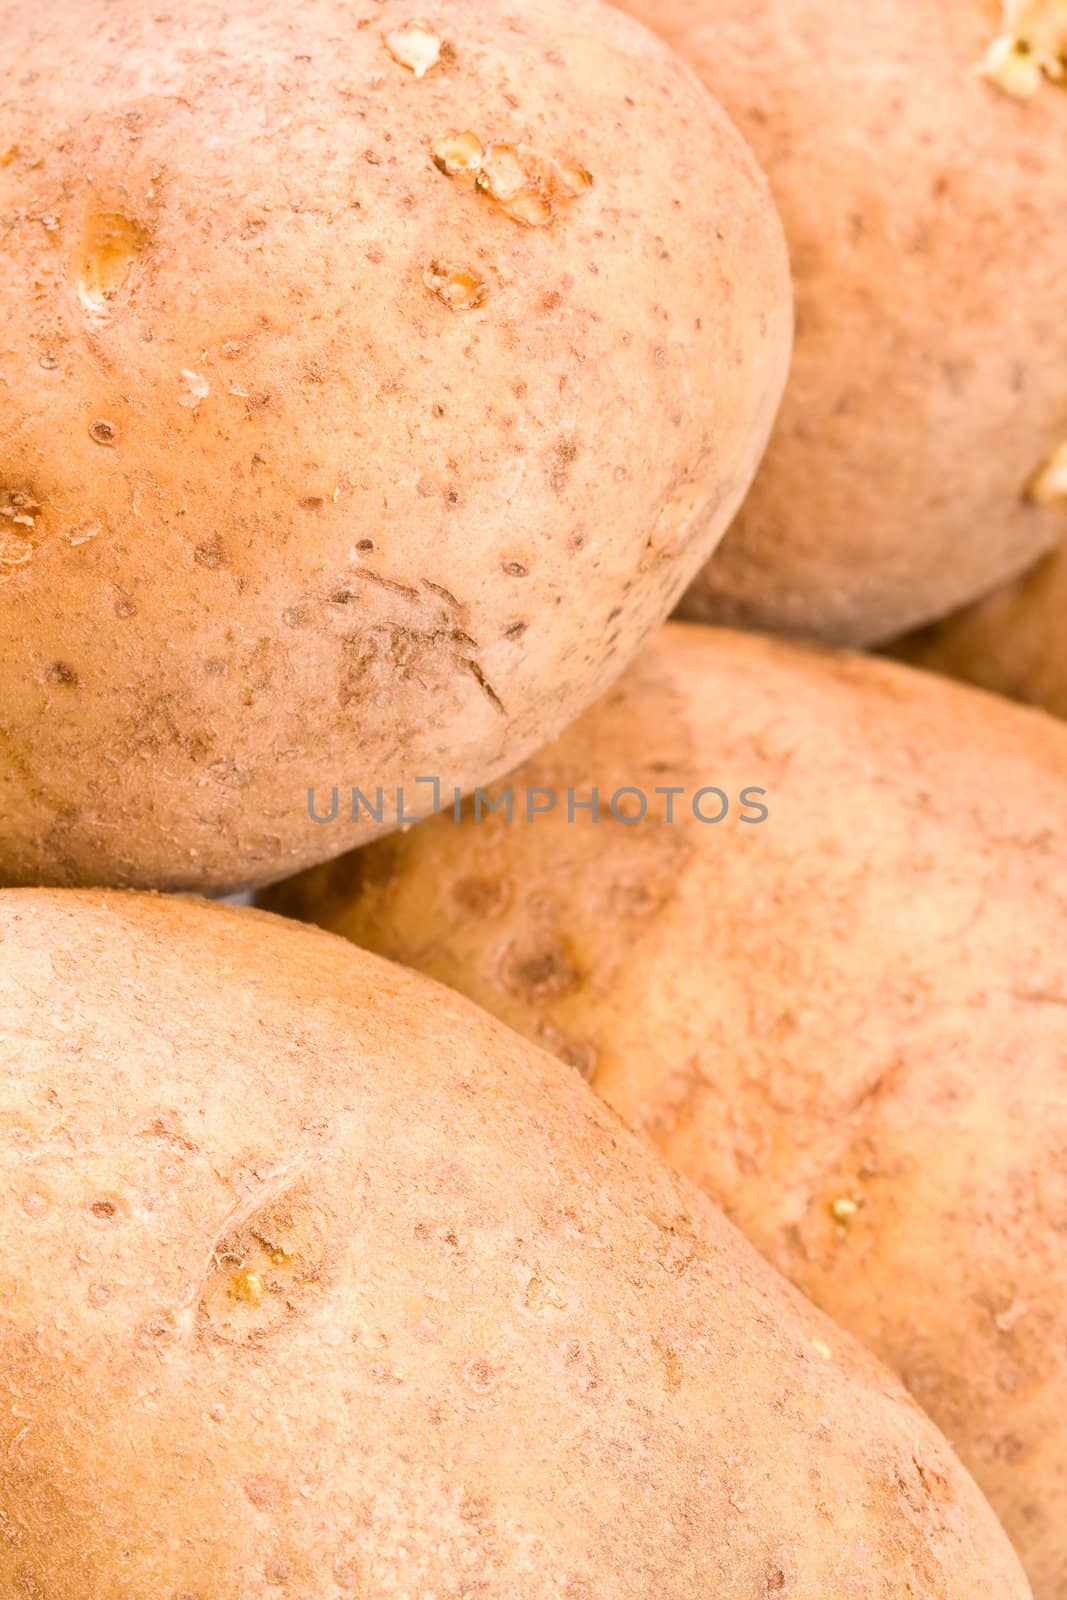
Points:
x=926 y=213
x=847 y=1023
x=273 y=514
x=317 y=1280
x=1012 y=642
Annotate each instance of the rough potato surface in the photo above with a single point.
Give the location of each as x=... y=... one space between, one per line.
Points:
x=325 y=460
x=926 y=213
x=847 y=1022
x=316 y=1282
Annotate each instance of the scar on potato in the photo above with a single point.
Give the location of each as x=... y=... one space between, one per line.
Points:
x=19 y=514
x=265 y=1269
x=526 y=186
x=1031 y=48
x=1048 y=486
x=459 y=288
x=110 y=245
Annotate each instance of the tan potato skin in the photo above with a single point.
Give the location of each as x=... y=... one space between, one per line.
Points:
x=273 y=515
x=1014 y=642
x=316 y=1281
x=926 y=213
x=862 y=999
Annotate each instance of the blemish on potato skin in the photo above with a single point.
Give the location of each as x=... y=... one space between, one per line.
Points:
x=157 y=1332
x=15 y=551
x=476 y=672
x=264 y=1270
x=83 y=533
x=63 y=674
x=104 y=433
x=482 y=897
x=110 y=246
x=458 y=288
x=479 y=1375
x=543 y=972
x=197 y=388
x=19 y=507
x=211 y=555
x=264 y=1493
x=564 y=455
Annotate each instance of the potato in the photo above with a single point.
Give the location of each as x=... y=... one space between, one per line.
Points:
x=374 y=379
x=316 y=1280
x=925 y=205
x=1012 y=642
x=847 y=1020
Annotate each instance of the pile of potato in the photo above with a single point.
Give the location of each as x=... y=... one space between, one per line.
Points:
x=623 y=1154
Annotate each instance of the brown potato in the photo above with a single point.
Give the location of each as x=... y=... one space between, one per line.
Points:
x=369 y=391
x=317 y=1282
x=1013 y=642
x=926 y=212
x=848 y=1021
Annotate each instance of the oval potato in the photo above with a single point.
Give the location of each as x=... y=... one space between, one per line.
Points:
x=926 y=212
x=374 y=379
x=317 y=1281
x=848 y=1021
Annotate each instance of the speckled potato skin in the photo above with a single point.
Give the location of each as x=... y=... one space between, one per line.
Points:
x=861 y=999
x=273 y=514
x=926 y=213
x=1014 y=642
x=494 y=1346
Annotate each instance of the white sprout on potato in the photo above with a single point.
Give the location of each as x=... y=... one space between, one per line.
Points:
x=526 y=186
x=1048 y=486
x=1031 y=49
x=416 y=47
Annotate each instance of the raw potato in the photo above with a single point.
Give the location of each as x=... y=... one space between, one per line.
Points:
x=317 y=1282
x=926 y=212
x=848 y=1021
x=1014 y=642
x=373 y=380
